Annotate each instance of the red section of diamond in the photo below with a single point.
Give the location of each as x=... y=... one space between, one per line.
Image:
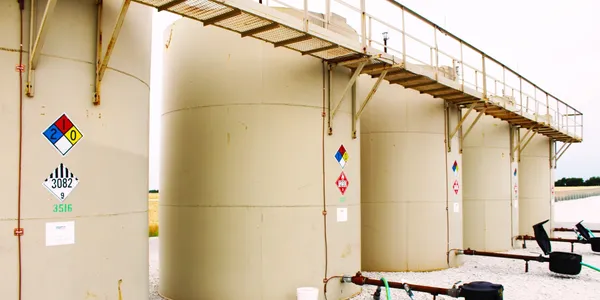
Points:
x=63 y=124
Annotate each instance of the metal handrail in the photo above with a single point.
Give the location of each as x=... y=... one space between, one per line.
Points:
x=564 y=117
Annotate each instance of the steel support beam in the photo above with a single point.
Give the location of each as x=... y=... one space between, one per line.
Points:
x=521 y=139
x=364 y=103
x=462 y=120
x=561 y=151
x=170 y=4
x=521 y=148
x=35 y=49
x=102 y=64
x=348 y=86
x=473 y=124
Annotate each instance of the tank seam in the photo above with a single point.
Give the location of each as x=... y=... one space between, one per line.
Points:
x=256 y=206
x=242 y=104
x=77 y=217
x=6 y=49
x=407 y=131
x=91 y=64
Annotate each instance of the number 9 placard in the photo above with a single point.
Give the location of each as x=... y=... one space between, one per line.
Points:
x=61 y=182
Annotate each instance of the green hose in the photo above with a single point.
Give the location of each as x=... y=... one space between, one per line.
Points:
x=388 y=295
x=589 y=266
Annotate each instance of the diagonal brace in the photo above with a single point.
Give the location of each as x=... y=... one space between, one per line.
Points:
x=41 y=36
x=371 y=94
x=561 y=151
x=474 y=122
x=526 y=143
x=462 y=120
x=518 y=146
x=348 y=86
x=364 y=103
x=35 y=49
x=101 y=66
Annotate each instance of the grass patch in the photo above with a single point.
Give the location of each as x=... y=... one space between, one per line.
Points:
x=153 y=214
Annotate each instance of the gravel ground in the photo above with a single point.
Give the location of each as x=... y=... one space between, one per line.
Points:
x=539 y=283
x=154 y=270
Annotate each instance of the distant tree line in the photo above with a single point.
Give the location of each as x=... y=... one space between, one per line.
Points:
x=153 y=191
x=574 y=181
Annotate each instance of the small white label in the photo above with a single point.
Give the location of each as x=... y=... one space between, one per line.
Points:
x=455 y=207
x=516 y=204
x=60 y=233
x=342 y=214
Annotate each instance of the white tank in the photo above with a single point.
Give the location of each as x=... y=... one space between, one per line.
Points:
x=535 y=183
x=242 y=171
x=411 y=215
x=86 y=227
x=487 y=185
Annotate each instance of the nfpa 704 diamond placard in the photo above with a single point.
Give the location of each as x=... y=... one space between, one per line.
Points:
x=61 y=182
x=63 y=134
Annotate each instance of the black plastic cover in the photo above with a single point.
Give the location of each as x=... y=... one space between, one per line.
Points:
x=482 y=290
x=542 y=237
x=583 y=231
x=565 y=263
x=595 y=241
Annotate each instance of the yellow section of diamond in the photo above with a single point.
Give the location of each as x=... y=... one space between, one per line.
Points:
x=345 y=156
x=73 y=135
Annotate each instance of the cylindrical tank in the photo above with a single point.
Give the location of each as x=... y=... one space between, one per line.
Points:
x=411 y=215
x=84 y=214
x=487 y=184
x=535 y=183
x=242 y=187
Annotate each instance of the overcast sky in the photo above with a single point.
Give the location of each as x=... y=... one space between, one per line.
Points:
x=555 y=44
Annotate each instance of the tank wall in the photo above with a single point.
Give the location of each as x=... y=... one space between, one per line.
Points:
x=487 y=185
x=241 y=183
x=109 y=204
x=404 y=184
x=535 y=182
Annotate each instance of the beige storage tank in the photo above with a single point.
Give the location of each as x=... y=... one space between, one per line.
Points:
x=84 y=215
x=487 y=185
x=242 y=171
x=535 y=183
x=411 y=215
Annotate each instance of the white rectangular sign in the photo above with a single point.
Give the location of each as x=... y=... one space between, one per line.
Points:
x=60 y=233
x=342 y=214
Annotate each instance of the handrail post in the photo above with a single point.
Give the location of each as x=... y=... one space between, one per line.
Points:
x=306 y=20
x=363 y=24
x=521 y=94
x=403 y=39
x=484 y=76
x=504 y=81
x=437 y=53
x=327 y=13
x=462 y=67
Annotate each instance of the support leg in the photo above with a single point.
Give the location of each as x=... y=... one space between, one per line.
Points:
x=35 y=48
x=101 y=67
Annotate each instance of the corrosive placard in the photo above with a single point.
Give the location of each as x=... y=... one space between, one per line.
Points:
x=61 y=182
